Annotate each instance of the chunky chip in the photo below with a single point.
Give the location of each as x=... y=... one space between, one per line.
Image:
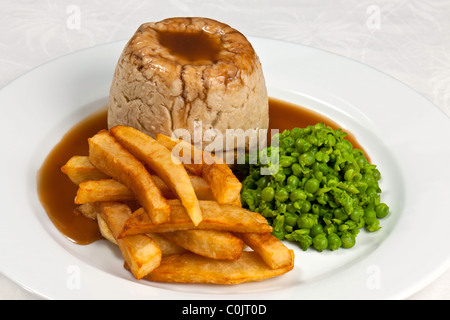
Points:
x=167 y=247
x=112 y=190
x=192 y=268
x=159 y=159
x=208 y=243
x=274 y=253
x=104 y=229
x=191 y=157
x=79 y=169
x=140 y=252
x=102 y=191
x=225 y=186
x=215 y=217
x=109 y=156
x=89 y=210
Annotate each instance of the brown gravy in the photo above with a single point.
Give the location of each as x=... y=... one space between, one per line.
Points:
x=286 y=116
x=56 y=191
x=191 y=46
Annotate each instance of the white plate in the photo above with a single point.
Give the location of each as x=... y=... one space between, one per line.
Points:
x=405 y=135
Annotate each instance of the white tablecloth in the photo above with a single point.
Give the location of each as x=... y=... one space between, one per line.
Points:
x=407 y=39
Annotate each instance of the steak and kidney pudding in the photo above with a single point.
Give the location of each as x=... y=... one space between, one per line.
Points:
x=182 y=72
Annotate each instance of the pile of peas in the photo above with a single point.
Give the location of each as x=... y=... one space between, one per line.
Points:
x=323 y=192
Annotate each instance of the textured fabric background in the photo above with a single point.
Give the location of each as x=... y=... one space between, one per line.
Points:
x=407 y=39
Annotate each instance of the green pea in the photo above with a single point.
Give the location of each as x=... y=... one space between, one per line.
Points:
x=313 y=140
x=332 y=181
x=376 y=174
x=278 y=227
x=370 y=216
x=320 y=156
x=280 y=176
x=312 y=185
x=329 y=228
x=331 y=140
x=267 y=194
x=293 y=181
x=291 y=208
x=348 y=240
x=315 y=230
x=289 y=141
x=305 y=221
x=287 y=171
x=297 y=194
x=284 y=162
x=347 y=203
x=320 y=242
x=306 y=206
x=307 y=159
x=318 y=175
x=361 y=161
x=300 y=145
x=357 y=214
x=323 y=167
x=374 y=226
x=340 y=214
x=369 y=179
x=349 y=174
x=281 y=207
x=290 y=219
x=262 y=182
x=315 y=208
x=296 y=169
x=289 y=188
x=281 y=195
x=334 y=241
x=382 y=210
x=347 y=146
x=305 y=241
x=361 y=223
x=323 y=198
x=266 y=212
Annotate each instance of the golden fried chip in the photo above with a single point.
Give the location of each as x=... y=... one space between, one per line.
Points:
x=167 y=247
x=112 y=190
x=225 y=186
x=104 y=229
x=102 y=191
x=89 y=210
x=215 y=217
x=140 y=252
x=109 y=156
x=272 y=250
x=160 y=160
x=208 y=243
x=79 y=169
x=191 y=158
x=192 y=268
